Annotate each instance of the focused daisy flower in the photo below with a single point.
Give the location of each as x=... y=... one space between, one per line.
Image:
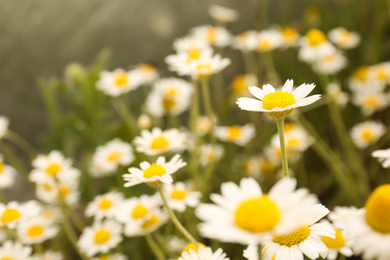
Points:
x=278 y=104
x=246 y=41
x=36 y=230
x=314 y=45
x=383 y=157
x=115 y=256
x=214 y=35
x=335 y=92
x=330 y=63
x=104 y=206
x=241 y=82
x=370 y=226
x=304 y=240
x=240 y=135
x=4 y=122
x=179 y=196
x=341 y=243
x=108 y=157
x=100 y=237
x=290 y=37
x=203 y=253
x=343 y=38
x=268 y=40
x=154 y=174
x=7 y=174
x=14 y=251
x=210 y=153
x=148 y=73
x=118 y=82
x=367 y=133
x=223 y=14
x=157 y=142
x=207 y=66
x=244 y=213
x=12 y=213
x=48 y=255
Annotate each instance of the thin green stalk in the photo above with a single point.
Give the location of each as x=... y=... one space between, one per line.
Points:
x=155 y=248
x=280 y=125
x=207 y=106
x=194 y=116
x=15 y=161
x=22 y=143
x=175 y=221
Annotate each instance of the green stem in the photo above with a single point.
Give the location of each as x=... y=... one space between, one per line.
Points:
x=280 y=125
x=207 y=106
x=175 y=221
x=22 y=143
x=155 y=248
x=194 y=116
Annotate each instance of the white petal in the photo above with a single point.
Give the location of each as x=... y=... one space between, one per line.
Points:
x=307 y=101
x=288 y=86
x=267 y=88
x=257 y=92
x=250 y=104
x=302 y=91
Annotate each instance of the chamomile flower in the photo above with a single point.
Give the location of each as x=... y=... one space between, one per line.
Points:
x=304 y=240
x=341 y=243
x=278 y=103
x=383 y=157
x=147 y=72
x=104 y=206
x=118 y=82
x=36 y=230
x=335 y=92
x=192 y=46
x=157 y=142
x=241 y=82
x=380 y=72
x=203 y=125
x=108 y=157
x=48 y=255
x=206 y=66
x=7 y=174
x=4 y=122
x=362 y=80
x=240 y=135
x=214 y=35
x=244 y=213
x=179 y=196
x=203 y=253
x=290 y=37
x=367 y=133
x=155 y=173
x=150 y=223
x=210 y=154
x=144 y=121
x=51 y=191
x=246 y=41
x=15 y=251
x=296 y=139
x=223 y=14
x=251 y=252
x=100 y=237
x=330 y=63
x=371 y=99
x=269 y=40
x=314 y=45
x=343 y=38
x=115 y=256
x=12 y=213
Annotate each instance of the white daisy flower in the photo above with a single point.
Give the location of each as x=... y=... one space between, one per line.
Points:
x=383 y=157
x=341 y=243
x=296 y=139
x=340 y=213
x=304 y=240
x=150 y=223
x=214 y=35
x=203 y=125
x=104 y=206
x=51 y=214
x=12 y=213
x=367 y=133
x=362 y=80
x=181 y=61
x=251 y=252
x=116 y=256
x=157 y=142
x=269 y=40
x=118 y=82
x=241 y=82
x=246 y=41
x=48 y=255
x=100 y=237
x=240 y=135
x=314 y=45
x=343 y=38
x=179 y=196
x=144 y=121
x=380 y=72
x=223 y=14
x=206 y=66
x=36 y=230
x=371 y=100
x=244 y=213
x=15 y=251
x=209 y=153
x=176 y=244
x=330 y=63
x=147 y=72
x=290 y=37
x=335 y=92
x=203 y=253
x=51 y=191
x=7 y=174
x=191 y=45
x=108 y=157
x=155 y=173
x=278 y=103
x=4 y=122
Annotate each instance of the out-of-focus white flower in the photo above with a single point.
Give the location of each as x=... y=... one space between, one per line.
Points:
x=241 y=82
x=144 y=121
x=223 y=14
x=380 y=72
x=371 y=99
x=330 y=63
x=335 y=92
x=210 y=153
x=207 y=66
x=314 y=45
x=296 y=140
x=4 y=122
x=383 y=157
x=367 y=133
x=240 y=135
x=118 y=82
x=179 y=196
x=36 y=230
x=15 y=251
x=147 y=72
x=7 y=174
x=268 y=40
x=203 y=125
x=290 y=37
x=48 y=255
x=214 y=35
x=203 y=253
x=246 y=41
x=13 y=213
x=104 y=206
x=51 y=191
x=341 y=243
x=362 y=80
x=343 y=38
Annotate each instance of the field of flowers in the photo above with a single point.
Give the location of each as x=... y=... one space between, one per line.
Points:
x=268 y=143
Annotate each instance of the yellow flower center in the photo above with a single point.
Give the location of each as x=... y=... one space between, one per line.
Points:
x=257 y=215
x=159 y=143
x=368 y=135
x=290 y=35
x=178 y=194
x=53 y=169
x=381 y=73
x=168 y=103
x=264 y=45
x=102 y=236
x=330 y=58
x=105 y=203
x=361 y=73
x=103 y=258
x=63 y=191
x=154 y=170
x=334 y=243
x=147 y=67
x=267 y=166
x=211 y=156
x=47 y=187
x=294 y=238
x=288 y=127
x=10 y=215
x=35 y=231
x=121 y=79
x=151 y=221
x=278 y=99
x=378 y=209
x=47 y=213
x=372 y=101
x=194 y=54
x=316 y=37
x=234 y=132
x=204 y=69
x=1 y=166
x=114 y=156
x=239 y=84
x=139 y=211
x=7 y=258
x=294 y=143
x=345 y=37
x=212 y=34
x=193 y=247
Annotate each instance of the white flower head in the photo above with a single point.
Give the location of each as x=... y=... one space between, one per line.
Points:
x=337 y=94
x=210 y=153
x=314 y=45
x=246 y=41
x=223 y=14
x=343 y=38
x=203 y=253
x=341 y=243
x=48 y=255
x=36 y=230
x=179 y=196
x=13 y=213
x=4 y=122
x=290 y=37
x=214 y=35
x=206 y=66
x=50 y=191
x=330 y=63
x=383 y=156
x=118 y=82
x=147 y=72
x=7 y=174
x=104 y=206
x=15 y=251
x=269 y=40
x=371 y=99
x=367 y=133
x=240 y=135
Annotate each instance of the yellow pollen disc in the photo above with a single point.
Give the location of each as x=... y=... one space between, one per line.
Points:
x=290 y=35
x=372 y=101
x=204 y=69
x=238 y=84
x=288 y=127
x=147 y=67
x=151 y=221
x=47 y=187
x=159 y=143
x=211 y=156
x=139 y=211
x=234 y=132
x=178 y=194
x=121 y=79
x=193 y=247
x=114 y=156
x=53 y=169
x=278 y=99
x=7 y=258
x=193 y=54
x=345 y=37
x=10 y=215
x=264 y=46
x=35 y=231
x=104 y=258
x=316 y=37
x=168 y=103
x=294 y=238
x=381 y=73
x=105 y=203
x=378 y=209
x=47 y=214
x=1 y=166
x=102 y=236
x=267 y=166
x=294 y=143
x=154 y=170
x=64 y=190
x=334 y=243
x=257 y=215
x=171 y=92
x=368 y=135
x=361 y=73
x=212 y=34
x=330 y=57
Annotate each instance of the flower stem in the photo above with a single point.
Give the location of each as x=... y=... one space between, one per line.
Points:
x=207 y=106
x=22 y=143
x=280 y=125
x=175 y=221
x=153 y=245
